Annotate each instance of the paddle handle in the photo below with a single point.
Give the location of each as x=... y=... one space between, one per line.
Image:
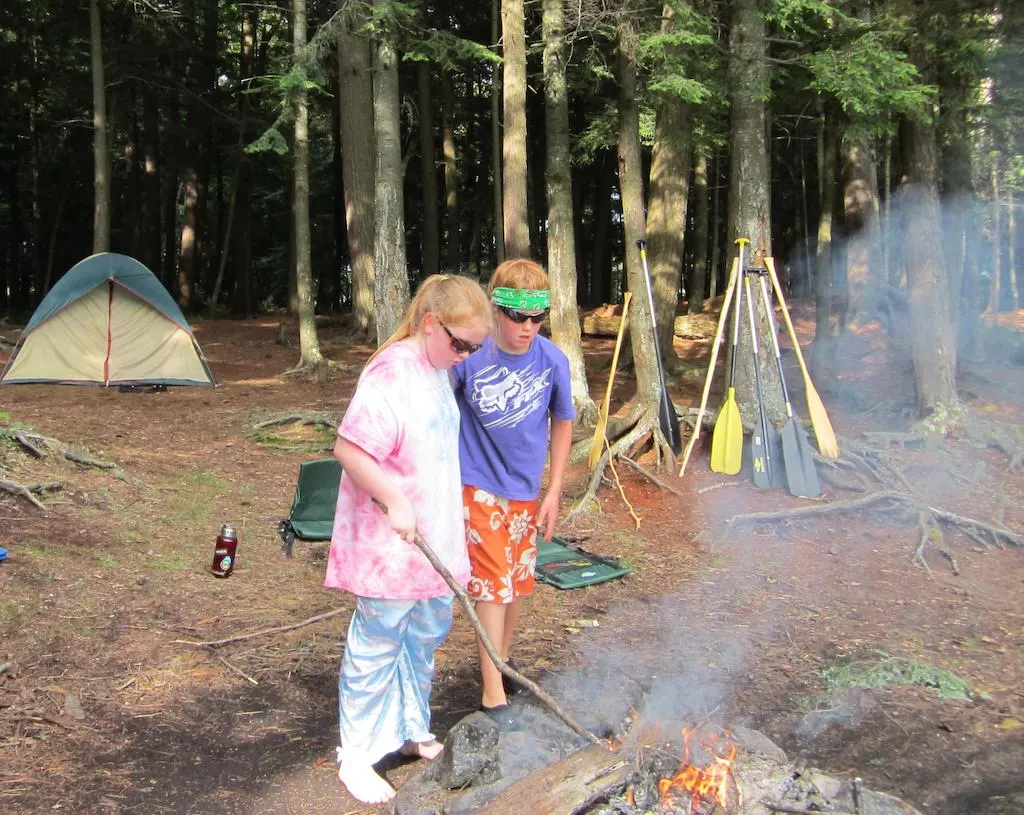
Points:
x=742 y=243
x=711 y=364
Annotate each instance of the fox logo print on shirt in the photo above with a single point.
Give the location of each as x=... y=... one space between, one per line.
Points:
x=504 y=398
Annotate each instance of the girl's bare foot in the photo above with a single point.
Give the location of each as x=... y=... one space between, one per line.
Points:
x=422 y=749
x=362 y=781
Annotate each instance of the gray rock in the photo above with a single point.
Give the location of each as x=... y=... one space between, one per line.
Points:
x=470 y=753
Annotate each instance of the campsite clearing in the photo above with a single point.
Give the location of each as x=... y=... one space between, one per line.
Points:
x=823 y=633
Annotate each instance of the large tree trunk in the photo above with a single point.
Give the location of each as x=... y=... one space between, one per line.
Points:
x=933 y=338
x=860 y=216
x=242 y=250
x=698 y=285
x=497 y=161
x=391 y=279
x=430 y=248
x=101 y=155
x=309 y=346
x=996 y=292
x=821 y=350
x=358 y=155
x=565 y=318
x=666 y=205
x=453 y=229
x=750 y=194
x=631 y=191
x=514 y=166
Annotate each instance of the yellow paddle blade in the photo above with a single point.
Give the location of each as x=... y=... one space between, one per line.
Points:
x=727 y=438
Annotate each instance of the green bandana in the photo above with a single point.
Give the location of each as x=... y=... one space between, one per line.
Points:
x=522 y=299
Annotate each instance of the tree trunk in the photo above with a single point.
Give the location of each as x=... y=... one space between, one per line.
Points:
x=391 y=279
x=860 y=215
x=101 y=155
x=453 y=229
x=631 y=192
x=242 y=250
x=497 y=161
x=698 y=285
x=666 y=205
x=821 y=350
x=750 y=195
x=309 y=346
x=355 y=101
x=995 y=293
x=514 y=166
x=1011 y=249
x=933 y=339
x=565 y=318
x=431 y=245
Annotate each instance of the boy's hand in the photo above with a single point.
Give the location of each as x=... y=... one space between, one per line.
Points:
x=547 y=515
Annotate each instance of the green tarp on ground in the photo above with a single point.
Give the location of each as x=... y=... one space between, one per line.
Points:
x=565 y=566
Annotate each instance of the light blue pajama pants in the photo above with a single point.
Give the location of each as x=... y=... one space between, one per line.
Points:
x=386 y=674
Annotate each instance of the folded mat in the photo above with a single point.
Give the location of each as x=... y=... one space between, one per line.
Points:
x=565 y=566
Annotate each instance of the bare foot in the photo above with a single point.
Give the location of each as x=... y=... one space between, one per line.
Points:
x=362 y=781
x=422 y=749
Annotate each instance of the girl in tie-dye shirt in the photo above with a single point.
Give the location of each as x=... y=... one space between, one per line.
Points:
x=398 y=444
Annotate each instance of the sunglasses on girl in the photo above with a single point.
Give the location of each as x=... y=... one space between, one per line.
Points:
x=519 y=317
x=459 y=346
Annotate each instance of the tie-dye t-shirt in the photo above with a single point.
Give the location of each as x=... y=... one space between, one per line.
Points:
x=403 y=414
x=506 y=402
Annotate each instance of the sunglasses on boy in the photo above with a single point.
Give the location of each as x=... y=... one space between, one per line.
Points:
x=519 y=317
x=459 y=346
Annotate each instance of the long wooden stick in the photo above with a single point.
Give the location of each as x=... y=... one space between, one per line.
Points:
x=499 y=663
x=597 y=443
x=711 y=365
x=823 y=432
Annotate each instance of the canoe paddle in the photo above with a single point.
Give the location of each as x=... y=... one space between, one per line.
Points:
x=797 y=456
x=711 y=366
x=727 y=437
x=669 y=421
x=597 y=443
x=764 y=442
x=823 y=432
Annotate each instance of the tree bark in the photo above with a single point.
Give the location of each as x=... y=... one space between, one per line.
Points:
x=632 y=194
x=514 y=163
x=698 y=285
x=750 y=194
x=355 y=100
x=242 y=244
x=309 y=346
x=565 y=318
x=453 y=229
x=666 y=205
x=101 y=154
x=497 y=160
x=821 y=350
x=860 y=215
x=430 y=248
x=391 y=279
x=933 y=339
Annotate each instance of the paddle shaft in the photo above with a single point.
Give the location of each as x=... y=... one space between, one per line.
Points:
x=775 y=341
x=597 y=444
x=711 y=366
x=669 y=420
x=762 y=415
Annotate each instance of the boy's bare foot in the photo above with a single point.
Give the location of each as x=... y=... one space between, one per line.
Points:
x=422 y=749
x=362 y=781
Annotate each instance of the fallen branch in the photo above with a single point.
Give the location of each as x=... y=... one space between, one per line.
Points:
x=264 y=632
x=990 y=535
x=650 y=476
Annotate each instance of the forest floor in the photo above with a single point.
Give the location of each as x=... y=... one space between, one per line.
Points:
x=105 y=708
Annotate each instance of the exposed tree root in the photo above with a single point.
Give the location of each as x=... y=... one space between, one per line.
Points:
x=930 y=520
x=38 y=445
x=314 y=418
x=26 y=490
x=1006 y=438
x=639 y=429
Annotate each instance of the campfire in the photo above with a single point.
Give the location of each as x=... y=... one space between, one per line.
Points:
x=708 y=785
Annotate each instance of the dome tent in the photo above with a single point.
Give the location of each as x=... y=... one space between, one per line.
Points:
x=107 y=321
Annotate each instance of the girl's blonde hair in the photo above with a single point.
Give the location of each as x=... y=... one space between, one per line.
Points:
x=519 y=273
x=455 y=301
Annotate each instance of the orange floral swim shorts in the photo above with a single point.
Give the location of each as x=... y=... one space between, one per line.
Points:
x=502 y=538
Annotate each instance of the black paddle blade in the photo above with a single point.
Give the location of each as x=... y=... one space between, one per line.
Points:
x=801 y=472
x=760 y=457
x=669 y=422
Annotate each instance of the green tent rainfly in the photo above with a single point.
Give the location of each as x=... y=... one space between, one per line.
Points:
x=108 y=321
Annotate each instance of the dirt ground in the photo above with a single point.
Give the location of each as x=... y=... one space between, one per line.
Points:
x=106 y=708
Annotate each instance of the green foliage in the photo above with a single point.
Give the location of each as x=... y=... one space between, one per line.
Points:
x=880 y=669
x=450 y=51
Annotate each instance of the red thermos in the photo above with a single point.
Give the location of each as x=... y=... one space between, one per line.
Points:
x=224 y=551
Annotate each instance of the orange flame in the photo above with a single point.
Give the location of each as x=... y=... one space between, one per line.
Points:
x=710 y=783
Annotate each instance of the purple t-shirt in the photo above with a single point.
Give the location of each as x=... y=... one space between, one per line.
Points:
x=505 y=401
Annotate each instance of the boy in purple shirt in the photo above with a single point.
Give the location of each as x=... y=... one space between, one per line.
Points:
x=514 y=395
